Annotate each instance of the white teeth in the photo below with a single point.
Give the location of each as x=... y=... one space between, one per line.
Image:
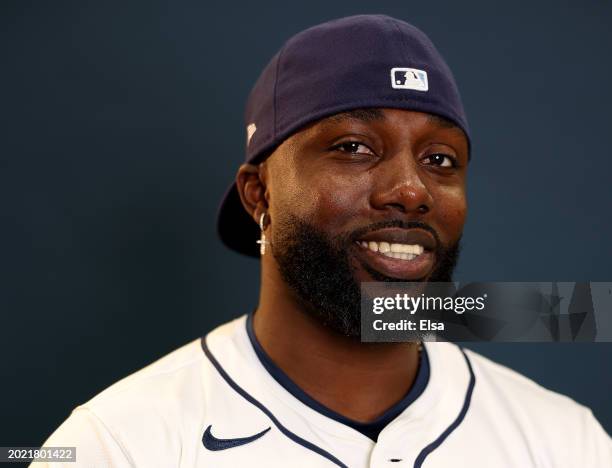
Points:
x=400 y=251
x=398 y=248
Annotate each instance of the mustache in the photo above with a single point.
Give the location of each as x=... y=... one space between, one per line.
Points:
x=395 y=223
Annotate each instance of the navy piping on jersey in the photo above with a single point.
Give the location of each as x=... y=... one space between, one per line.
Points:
x=371 y=429
x=466 y=404
x=294 y=437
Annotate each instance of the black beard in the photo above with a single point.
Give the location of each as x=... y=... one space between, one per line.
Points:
x=318 y=269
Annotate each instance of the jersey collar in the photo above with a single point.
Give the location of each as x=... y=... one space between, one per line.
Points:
x=419 y=428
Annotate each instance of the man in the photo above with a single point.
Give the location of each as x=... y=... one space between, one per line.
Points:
x=357 y=150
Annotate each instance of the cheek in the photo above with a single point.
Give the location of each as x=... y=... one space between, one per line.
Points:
x=452 y=211
x=327 y=199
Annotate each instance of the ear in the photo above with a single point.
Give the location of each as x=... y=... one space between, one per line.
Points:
x=250 y=182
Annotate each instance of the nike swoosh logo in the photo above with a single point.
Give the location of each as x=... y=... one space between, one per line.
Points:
x=214 y=444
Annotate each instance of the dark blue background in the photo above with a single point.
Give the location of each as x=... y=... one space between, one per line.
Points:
x=121 y=125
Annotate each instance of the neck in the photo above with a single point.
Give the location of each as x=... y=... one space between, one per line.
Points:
x=357 y=380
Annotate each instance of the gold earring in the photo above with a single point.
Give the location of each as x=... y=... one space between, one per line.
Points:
x=262 y=240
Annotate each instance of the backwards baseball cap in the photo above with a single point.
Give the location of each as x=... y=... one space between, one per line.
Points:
x=350 y=63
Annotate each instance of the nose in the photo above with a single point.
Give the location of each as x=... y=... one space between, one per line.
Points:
x=400 y=187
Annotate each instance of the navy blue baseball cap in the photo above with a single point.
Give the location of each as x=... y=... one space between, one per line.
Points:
x=350 y=63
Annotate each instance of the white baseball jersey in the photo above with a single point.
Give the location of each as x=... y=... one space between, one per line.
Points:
x=213 y=403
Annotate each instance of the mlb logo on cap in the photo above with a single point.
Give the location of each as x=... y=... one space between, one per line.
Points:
x=409 y=78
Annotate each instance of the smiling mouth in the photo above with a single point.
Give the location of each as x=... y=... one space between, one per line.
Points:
x=403 y=254
x=397 y=251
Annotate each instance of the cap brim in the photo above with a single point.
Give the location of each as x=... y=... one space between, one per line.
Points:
x=235 y=227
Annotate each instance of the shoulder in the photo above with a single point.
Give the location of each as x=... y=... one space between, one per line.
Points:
x=508 y=387
x=175 y=372
x=164 y=387
x=145 y=417
x=170 y=386
x=542 y=417
x=140 y=418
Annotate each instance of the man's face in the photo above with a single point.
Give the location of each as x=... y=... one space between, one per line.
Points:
x=368 y=195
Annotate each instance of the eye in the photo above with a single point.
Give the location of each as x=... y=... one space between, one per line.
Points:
x=353 y=147
x=441 y=160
